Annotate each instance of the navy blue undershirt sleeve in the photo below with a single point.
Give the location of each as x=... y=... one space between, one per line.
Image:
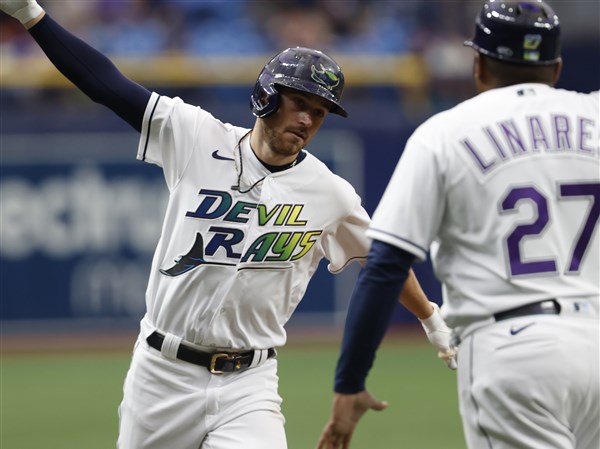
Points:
x=374 y=298
x=92 y=72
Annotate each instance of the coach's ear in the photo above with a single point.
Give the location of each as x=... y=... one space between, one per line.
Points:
x=480 y=73
x=557 y=70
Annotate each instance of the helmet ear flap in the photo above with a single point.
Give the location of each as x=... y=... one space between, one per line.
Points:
x=262 y=102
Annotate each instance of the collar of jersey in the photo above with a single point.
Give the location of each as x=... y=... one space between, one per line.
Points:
x=253 y=169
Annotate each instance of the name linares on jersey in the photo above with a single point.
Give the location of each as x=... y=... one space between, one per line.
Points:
x=274 y=246
x=505 y=141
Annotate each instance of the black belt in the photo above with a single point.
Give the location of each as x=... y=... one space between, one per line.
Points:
x=217 y=362
x=546 y=307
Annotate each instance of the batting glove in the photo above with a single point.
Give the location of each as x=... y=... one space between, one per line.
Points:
x=22 y=10
x=440 y=335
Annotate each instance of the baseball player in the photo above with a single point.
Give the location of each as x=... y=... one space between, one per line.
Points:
x=504 y=190
x=250 y=215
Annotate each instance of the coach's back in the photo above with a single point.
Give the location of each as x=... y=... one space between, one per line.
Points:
x=520 y=170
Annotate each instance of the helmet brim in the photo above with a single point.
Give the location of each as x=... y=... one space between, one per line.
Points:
x=336 y=108
x=483 y=51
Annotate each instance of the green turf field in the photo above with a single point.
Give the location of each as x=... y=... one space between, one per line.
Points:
x=69 y=401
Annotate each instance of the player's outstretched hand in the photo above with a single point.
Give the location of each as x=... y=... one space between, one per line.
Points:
x=440 y=336
x=346 y=412
x=22 y=10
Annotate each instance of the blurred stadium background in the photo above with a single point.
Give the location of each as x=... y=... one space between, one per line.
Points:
x=80 y=217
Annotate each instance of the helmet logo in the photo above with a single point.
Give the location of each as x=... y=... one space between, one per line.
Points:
x=504 y=51
x=324 y=77
x=531 y=43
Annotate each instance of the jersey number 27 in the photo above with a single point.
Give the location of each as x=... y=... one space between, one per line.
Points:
x=541 y=219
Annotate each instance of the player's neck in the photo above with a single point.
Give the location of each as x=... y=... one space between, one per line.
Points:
x=265 y=153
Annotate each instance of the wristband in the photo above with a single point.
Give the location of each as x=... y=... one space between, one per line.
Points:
x=29 y=12
x=435 y=321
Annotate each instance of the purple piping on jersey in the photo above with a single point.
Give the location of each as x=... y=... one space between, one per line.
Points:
x=400 y=238
x=149 y=126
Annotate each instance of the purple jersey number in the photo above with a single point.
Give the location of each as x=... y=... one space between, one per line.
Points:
x=589 y=191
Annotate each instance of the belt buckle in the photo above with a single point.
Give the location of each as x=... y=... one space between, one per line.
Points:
x=223 y=355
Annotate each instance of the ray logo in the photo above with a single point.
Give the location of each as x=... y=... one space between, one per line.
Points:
x=324 y=77
x=193 y=258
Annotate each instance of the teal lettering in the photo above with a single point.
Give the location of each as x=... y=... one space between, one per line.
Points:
x=240 y=208
x=260 y=247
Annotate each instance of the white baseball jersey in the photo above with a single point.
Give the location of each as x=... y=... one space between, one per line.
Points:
x=239 y=244
x=504 y=190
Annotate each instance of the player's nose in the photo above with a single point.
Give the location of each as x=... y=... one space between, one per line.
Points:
x=305 y=119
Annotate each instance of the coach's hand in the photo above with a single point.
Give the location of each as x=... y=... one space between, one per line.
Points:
x=22 y=10
x=440 y=336
x=347 y=411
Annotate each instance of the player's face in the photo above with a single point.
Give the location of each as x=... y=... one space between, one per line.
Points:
x=297 y=120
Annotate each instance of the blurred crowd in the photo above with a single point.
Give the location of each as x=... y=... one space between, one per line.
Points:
x=204 y=28
x=207 y=27
x=431 y=29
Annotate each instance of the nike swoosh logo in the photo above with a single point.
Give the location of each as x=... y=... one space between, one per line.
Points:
x=516 y=330
x=216 y=155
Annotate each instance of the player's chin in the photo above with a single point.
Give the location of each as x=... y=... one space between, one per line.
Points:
x=293 y=146
x=288 y=144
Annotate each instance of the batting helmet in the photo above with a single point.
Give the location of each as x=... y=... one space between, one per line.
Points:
x=303 y=69
x=523 y=32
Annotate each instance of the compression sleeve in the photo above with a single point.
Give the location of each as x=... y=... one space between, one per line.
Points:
x=92 y=72
x=374 y=298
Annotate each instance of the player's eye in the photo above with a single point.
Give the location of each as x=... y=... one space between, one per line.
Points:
x=319 y=113
x=299 y=102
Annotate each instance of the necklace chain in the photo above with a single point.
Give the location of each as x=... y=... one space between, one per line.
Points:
x=240 y=169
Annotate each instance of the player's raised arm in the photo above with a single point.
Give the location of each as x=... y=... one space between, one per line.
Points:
x=89 y=70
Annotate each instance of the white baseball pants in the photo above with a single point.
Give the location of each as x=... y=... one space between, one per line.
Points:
x=531 y=382
x=169 y=403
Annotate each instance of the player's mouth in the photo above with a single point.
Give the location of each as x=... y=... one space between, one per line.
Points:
x=299 y=134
